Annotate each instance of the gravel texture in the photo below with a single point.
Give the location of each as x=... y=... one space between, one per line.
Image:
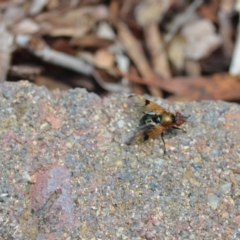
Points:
x=67 y=174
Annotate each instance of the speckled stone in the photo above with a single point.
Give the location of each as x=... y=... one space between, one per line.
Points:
x=66 y=172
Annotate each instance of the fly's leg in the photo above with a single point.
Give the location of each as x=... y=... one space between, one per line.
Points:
x=179 y=129
x=164 y=148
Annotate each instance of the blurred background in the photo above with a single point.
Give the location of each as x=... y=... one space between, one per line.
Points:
x=180 y=50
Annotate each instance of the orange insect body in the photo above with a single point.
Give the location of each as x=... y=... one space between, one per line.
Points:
x=155 y=121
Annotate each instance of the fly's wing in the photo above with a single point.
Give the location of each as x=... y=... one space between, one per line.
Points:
x=146 y=104
x=145 y=132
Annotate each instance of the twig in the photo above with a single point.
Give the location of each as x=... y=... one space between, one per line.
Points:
x=41 y=50
x=6 y=47
x=136 y=53
x=235 y=64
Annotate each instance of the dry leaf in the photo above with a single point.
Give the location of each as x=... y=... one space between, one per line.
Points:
x=26 y=26
x=92 y=41
x=75 y=23
x=104 y=59
x=176 y=52
x=149 y=11
x=216 y=87
x=201 y=39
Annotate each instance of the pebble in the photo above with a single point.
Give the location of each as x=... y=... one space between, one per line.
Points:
x=213 y=200
x=121 y=123
x=225 y=188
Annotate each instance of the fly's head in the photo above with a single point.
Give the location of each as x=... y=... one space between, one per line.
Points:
x=180 y=119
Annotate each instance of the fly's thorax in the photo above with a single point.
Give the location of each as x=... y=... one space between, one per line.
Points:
x=150 y=118
x=168 y=119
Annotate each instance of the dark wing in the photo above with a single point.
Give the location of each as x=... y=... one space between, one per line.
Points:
x=145 y=132
x=146 y=104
